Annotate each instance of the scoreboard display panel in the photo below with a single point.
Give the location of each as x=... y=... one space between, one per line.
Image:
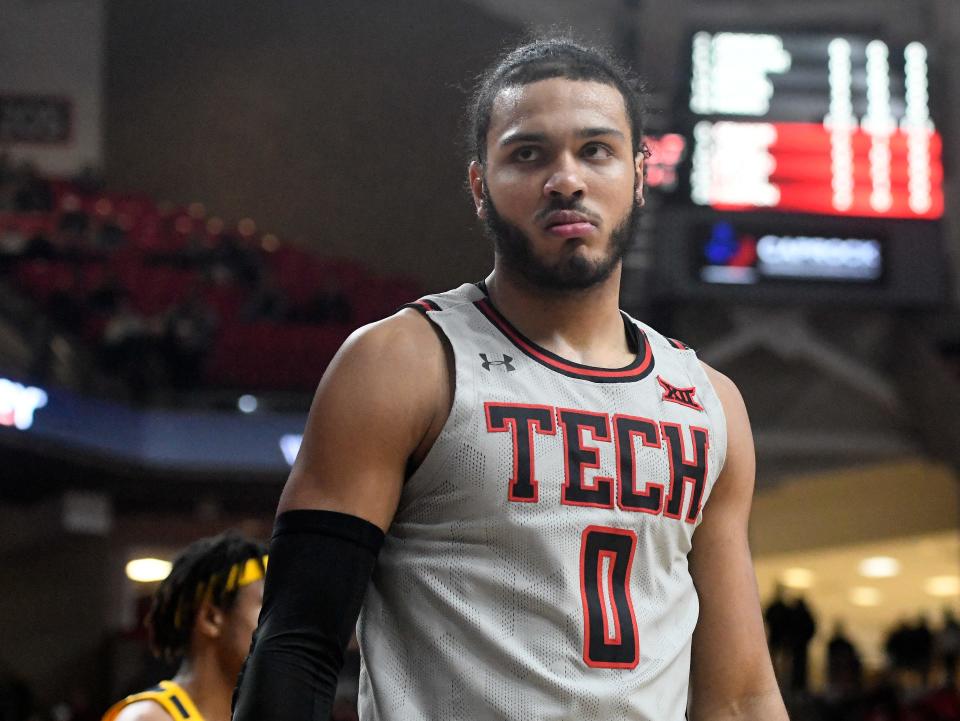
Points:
x=812 y=171
x=823 y=124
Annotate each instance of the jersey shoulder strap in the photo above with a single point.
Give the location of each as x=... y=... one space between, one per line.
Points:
x=171 y=696
x=468 y=293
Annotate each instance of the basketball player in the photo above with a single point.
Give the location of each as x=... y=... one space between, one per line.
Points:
x=204 y=613
x=550 y=496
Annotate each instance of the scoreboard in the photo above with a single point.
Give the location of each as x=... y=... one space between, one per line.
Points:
x=812 y=163
x=816 y=124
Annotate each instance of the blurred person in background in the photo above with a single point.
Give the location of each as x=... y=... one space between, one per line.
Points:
x=803 y=627
x=187 y=335
x=128 y=347
x=443 y=459
x=203 y=614
x=948 y=646
x=844 y=668
x=777 y=616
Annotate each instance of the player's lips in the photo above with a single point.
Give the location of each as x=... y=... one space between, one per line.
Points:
x=569 y=224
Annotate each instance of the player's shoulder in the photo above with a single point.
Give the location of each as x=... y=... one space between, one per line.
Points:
x=392 y=338
x=142 y=710
x=726 y=390
x=724 y=387
x=408 y=340
x=405 y=352
x=723 y=384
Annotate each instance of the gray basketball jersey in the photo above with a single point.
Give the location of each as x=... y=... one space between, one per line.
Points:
x=537 y=564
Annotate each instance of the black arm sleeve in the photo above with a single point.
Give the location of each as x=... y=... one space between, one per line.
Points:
x=320 y=565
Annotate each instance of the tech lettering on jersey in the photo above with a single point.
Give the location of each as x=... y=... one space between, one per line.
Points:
x=626 y=490
x=522 y=422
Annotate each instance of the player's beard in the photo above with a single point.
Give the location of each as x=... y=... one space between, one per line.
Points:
x=573 y=273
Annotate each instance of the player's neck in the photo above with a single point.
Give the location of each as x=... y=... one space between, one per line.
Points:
x=204 y=680
x=582 y=326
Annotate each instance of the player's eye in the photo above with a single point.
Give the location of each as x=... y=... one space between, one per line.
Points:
x=527 y=154
x=596 y=151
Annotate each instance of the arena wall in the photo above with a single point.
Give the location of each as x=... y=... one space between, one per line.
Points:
x=285 y=112
x=54 y=49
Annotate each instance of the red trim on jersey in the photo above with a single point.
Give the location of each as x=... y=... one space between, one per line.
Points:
x=424 y=305
x=638 y=369
x=427 y=304
x=606 y=580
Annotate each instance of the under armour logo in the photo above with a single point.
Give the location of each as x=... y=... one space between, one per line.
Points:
x=506 y=363
x=683 y=396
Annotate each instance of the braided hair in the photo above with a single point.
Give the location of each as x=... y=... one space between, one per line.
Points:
x=210 y=569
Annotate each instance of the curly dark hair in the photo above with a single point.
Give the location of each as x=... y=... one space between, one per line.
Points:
x=203 y=570
x=555 y=56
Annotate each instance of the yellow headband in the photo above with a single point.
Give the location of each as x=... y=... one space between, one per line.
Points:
x=240 y=575
x=246 y=573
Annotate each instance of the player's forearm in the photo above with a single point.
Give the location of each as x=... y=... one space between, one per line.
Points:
x=288 y=681
x=320 y=564
x=766 y=706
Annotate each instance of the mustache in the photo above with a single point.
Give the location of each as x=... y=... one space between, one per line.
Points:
x=572 y=204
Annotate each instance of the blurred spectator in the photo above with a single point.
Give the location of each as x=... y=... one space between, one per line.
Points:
x=844 y=670
x=802 y=630
x=897 y=645
x=129 y=348
x=909 y=649
x=67 y=304
x=328 y=304
x=187 y=336
x=921 y=648
x=13 y=246
x=195 y=254
x=33 y=193
x=105 y=297
x=231 y=260
x=73 y=220
x=7 y=181
x=948 y=646
x=267 y=301
x=39 y=247
x=74 y=239
x=777 y=616
x=109 y=236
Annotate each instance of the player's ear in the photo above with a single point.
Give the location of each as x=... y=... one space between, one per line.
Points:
x=475 y=174
x=209 y=620
x=640 y=160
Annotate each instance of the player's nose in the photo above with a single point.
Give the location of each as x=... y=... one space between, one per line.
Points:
x=565 y=179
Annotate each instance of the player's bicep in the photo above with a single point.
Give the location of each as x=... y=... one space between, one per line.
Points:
x=730 y=624
x=371 y=409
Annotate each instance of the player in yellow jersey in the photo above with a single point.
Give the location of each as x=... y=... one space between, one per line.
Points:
x=204 y=613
